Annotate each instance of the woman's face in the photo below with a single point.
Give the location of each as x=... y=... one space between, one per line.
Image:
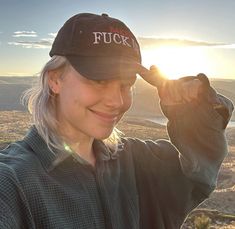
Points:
x=87 y=108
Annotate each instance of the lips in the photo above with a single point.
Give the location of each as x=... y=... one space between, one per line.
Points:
x=107 y=117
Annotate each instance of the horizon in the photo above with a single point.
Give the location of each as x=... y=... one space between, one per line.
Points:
x=138 y=78
x=172 y=35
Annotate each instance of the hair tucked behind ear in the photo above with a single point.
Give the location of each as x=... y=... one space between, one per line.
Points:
x=41 y=104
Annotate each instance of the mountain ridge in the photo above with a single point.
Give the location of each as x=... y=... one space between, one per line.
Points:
x=144 y=95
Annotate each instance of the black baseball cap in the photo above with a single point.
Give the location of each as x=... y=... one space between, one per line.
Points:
x=98 y=47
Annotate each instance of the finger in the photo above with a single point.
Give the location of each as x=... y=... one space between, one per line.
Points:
x=170 y=93
x=185 y=91
x=174 y=91
x=190 y=89
x=152 y=76
x=195 y=88
x=153 y=68
x=204 y=88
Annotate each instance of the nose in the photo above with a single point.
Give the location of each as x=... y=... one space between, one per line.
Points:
x=114 y=97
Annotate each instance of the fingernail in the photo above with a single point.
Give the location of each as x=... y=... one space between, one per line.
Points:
x=153 y=68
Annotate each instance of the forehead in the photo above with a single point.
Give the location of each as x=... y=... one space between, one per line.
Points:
x=123 y=79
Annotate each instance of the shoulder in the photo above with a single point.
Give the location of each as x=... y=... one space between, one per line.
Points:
x=157 y=168
x=151 y=152
x=9 y=183
x=14 y=182
x=17 y=162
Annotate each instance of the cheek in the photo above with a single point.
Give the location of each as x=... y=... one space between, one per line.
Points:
x=127 y=100
x=67 y=99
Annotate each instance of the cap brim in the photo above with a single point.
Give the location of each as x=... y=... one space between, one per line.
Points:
x=104 y=68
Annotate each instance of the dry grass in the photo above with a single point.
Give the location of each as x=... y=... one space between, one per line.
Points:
x=142 y=128
x=13 y=125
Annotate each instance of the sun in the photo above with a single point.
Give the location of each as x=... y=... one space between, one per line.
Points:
x=175 y=62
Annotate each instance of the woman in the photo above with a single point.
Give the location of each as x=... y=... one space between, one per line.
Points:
x=73 y=170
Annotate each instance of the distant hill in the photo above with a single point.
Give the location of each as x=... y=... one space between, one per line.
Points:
x=10 y=96
x=226 y=88
x=11 y=89
x=145 y=96
x=17 y=80
x=3 y=82
x=144 y=102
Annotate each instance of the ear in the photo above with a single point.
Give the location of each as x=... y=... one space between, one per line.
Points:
x=54 y=80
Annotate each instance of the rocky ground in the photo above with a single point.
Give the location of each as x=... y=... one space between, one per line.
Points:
x=219 y=208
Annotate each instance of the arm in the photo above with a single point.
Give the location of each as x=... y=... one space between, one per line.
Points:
x=14 y=211
x=197 y=131
x=197 y=118
x=174 y=177
x=7 y=219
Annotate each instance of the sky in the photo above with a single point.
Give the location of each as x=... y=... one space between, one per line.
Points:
x=181 y=37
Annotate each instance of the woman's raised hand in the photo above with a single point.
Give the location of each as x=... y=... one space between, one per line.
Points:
x=171 y=92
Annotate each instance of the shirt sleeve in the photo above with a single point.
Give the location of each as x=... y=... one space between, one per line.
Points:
x=7 y=220
x=13 y=211
x=174 y=176
x=197 y=130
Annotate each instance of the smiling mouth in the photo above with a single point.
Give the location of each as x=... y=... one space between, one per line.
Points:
x=110 y=118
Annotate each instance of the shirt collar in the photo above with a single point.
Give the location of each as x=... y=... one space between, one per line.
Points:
x=51 y=159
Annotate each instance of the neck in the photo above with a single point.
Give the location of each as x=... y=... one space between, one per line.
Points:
x=84 y=150
x=81 y=145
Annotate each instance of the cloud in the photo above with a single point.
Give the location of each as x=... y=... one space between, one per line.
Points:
x=40 y=44
x=25 y=34
x=17 y=74
x=52 y=34
x=227 y=46
x=145 y=42
x=43 y=43
x=148 y=42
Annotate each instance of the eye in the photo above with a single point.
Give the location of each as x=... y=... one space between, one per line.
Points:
x=128 y=83
x=98 y=82
x=101 y=82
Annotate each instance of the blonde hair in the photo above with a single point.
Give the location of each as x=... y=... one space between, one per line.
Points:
x=40 y=101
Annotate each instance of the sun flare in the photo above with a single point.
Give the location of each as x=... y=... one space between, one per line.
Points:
x=175 y=62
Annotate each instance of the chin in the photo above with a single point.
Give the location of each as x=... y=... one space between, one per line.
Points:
x=102 y=134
